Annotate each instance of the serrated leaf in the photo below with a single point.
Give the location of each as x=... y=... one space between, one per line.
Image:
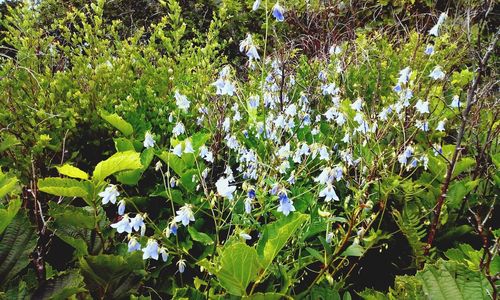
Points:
x=61 y=287
x=8 y=184
x=463 y=165
x=120 y=161
x=133 y=177
x=173 y=162
x=72 y=171
x=239 y=266
x=458 y=191
x=275 y=236
x=65 y=187
x=201 y=237
x=16 y=244
x=118 y=122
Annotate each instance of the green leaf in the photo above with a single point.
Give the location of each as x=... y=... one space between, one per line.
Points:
x=463 y=165
x=72 y=171
x=239 y=266
x=133 y=177
x=123 y=144
x=201 y=237
x=188 y=293
x=7 y=215
x=173 y=162
x=16 y=245
x=61 y=287
x=65 y=187
x=276 y=235
x=8 y=184
x=458 y=191
x=112 y=276
x=68 y=215
x=267 y=296
x=120 y=161
x=8 y=141
x=353 y=250
x=118 y=123
x=451 y=280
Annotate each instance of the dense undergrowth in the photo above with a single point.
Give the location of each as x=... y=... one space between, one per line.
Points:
x=265 y=150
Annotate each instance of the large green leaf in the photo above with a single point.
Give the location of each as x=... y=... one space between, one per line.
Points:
x=112 y=276
x=66 y=187
x=72 y=171
x=459 y=190
x=201 y=237
x=133 y=177
x=61 y=287
x=173 y=162
x=239 y=266
x=16 y=244
x=451 y=280
x=118 y=123
x=276 y=235
x=120 y=161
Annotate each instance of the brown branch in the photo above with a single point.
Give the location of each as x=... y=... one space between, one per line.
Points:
x=451 y=166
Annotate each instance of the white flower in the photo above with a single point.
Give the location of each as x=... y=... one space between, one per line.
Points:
x=245 y=236
x=286 y=205
x=357 y=104
x=137 y=222
x=133 y=245
x=404 y=75
x=164 y=254
x=181 y=264
x=435 y=29
x=422 y=106
x=151 y=250
x=455 y=102
x=256 y=5
x=224 y=189
x=440 y=126
x=185 y=215
x=149 y=142
x=123 y=225
x=121 y=207
x=437 y=73
x=188 y=147
x=178 y=129
x=109 y=194
x=177 y=150
x=181 y=101
x=329 y=193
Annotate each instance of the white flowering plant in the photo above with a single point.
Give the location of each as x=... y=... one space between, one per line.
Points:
x=282 y=177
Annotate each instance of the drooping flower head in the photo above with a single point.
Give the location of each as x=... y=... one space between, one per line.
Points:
x=109 y=194
x=185 y=215
x=278 y=12
x=149 y=142
x=286 y=205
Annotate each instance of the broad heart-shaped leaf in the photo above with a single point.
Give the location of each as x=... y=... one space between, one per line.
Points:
x=72 y=171
x=276 y=235
x=353 y=250
x=112 y=276
x=66 y=187
x=459 y=190
x=16 y=244
x=118 y=123
x=120 y=161
x=239 y=266
x=61 y=287
x=133 y=177
x=8 y=214
x=451 y=280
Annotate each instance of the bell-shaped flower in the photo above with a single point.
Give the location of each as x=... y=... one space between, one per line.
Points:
x=181 y=101
x=109 y=194
x=440 y=126
x=137 y=222
x=455 y=102
x=181 y=265
x=151 y=250
x=429 y=50
x=422 y=106
x=286 y=205
x=245 y=236
x=188 y=147
x=328 y=193
x=177 y=150
x=178 y=129
x=404 y=75
x=278 y=12
x=256 y=5
x=149 y=142
x=133 y=245
x=224 y=189
x=123 y=225
x=121 y=207
x=164 y=254
x=437 y=73
x=185 y=215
